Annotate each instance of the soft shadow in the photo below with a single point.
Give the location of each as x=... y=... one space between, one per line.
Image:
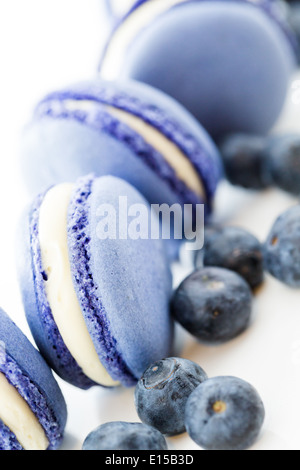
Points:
x=271 y=441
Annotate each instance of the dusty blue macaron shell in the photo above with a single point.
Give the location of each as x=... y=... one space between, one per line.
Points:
x=26 y=370
x=130 y=288
x=229 y=63
x=62 y=144
x=106 y=331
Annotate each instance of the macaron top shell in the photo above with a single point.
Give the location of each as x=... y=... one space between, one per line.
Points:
x=25 y=369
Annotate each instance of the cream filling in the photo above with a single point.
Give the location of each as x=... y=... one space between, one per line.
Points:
x=59 y=286
x=182 y=166
x=127 y=33
x=184 y=169
x=16 y=414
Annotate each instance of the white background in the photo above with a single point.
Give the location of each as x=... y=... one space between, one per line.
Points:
x=47 y=44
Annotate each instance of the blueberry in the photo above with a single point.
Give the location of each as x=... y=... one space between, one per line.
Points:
x=284 y=162
x=224 y=413
x=245 y=161
x=162 y=392
x=120 y=435
x=213 y=304
x=236 y=249
x=282 y=248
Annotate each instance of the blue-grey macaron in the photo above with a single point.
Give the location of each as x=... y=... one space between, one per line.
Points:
x=97 y=302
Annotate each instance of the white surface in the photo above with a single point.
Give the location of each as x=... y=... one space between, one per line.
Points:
x=47 y=44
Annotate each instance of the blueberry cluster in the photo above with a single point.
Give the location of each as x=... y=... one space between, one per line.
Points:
x=174 y=396
x=255 y=162
x=214 y=303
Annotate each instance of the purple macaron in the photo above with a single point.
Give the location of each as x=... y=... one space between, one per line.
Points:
x=28 y=387
x=229 y=62
x=96 y=295
x=125 y=129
